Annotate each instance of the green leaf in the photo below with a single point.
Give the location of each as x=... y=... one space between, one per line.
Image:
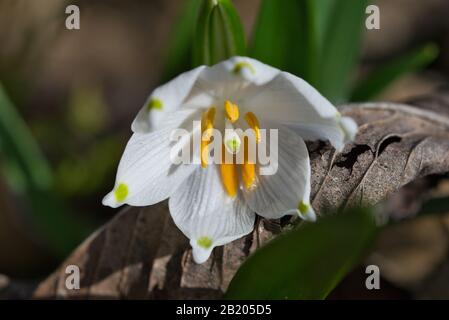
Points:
x=322 y=10
x=18 y=144
x=285 y=36
x=30 y=177
x=218 y=33
x=341 y=48
x=307 y=262
x=179 y=50
x=379 y=79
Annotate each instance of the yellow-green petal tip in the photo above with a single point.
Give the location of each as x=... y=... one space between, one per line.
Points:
x=240 y=65
x=204 y=242
x=121 y=192
x=155 y=104
x=303 y=207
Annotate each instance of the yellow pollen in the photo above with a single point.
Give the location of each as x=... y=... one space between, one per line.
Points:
x=253 y=123
x=229 y=176
x=248 y=169
x=207 y=125
x=232 y=111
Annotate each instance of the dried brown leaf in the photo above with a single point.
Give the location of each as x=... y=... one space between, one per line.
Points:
x=141 y=254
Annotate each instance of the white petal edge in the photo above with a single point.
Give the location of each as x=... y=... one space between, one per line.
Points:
x=280 y=194
x=227 y=79
x=292 y=101
x=146 y=175
x=339 y=131
x=239 y=68
x=170 y=96
x=207 y=215
x=349 y=127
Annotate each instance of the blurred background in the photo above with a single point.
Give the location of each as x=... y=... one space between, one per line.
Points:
x=68 y=97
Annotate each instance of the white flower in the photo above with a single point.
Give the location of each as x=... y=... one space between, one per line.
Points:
x=215 y=204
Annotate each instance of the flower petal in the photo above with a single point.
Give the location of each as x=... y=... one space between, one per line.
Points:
x=294 y=96
x=241 y=68
x=146 y=175
x=292 y=101
x=166 y=98
x=338 y=131
x=227 y=79
x=207 y=215
x=287 y=191
x=349 y=127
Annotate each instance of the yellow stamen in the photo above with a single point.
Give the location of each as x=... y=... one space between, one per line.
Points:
x=204 y=153
x=232 y=111
x=249 y=174
x=248 y=169
x=253 y=122
x=207 y=125
x=229 y=176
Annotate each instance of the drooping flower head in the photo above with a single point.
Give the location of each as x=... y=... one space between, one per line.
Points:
x=215 y=203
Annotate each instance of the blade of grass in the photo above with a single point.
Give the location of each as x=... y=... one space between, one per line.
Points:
x=30 y=176
x=322 y=10
x=341 y=48
x=285 y=36
x=19 y=144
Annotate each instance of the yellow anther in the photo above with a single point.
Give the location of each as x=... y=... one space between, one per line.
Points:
x=232 y=111
x=248 y=169
x=229 y=176
x=204 y=153
x=253 y=123
x=207 y=125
